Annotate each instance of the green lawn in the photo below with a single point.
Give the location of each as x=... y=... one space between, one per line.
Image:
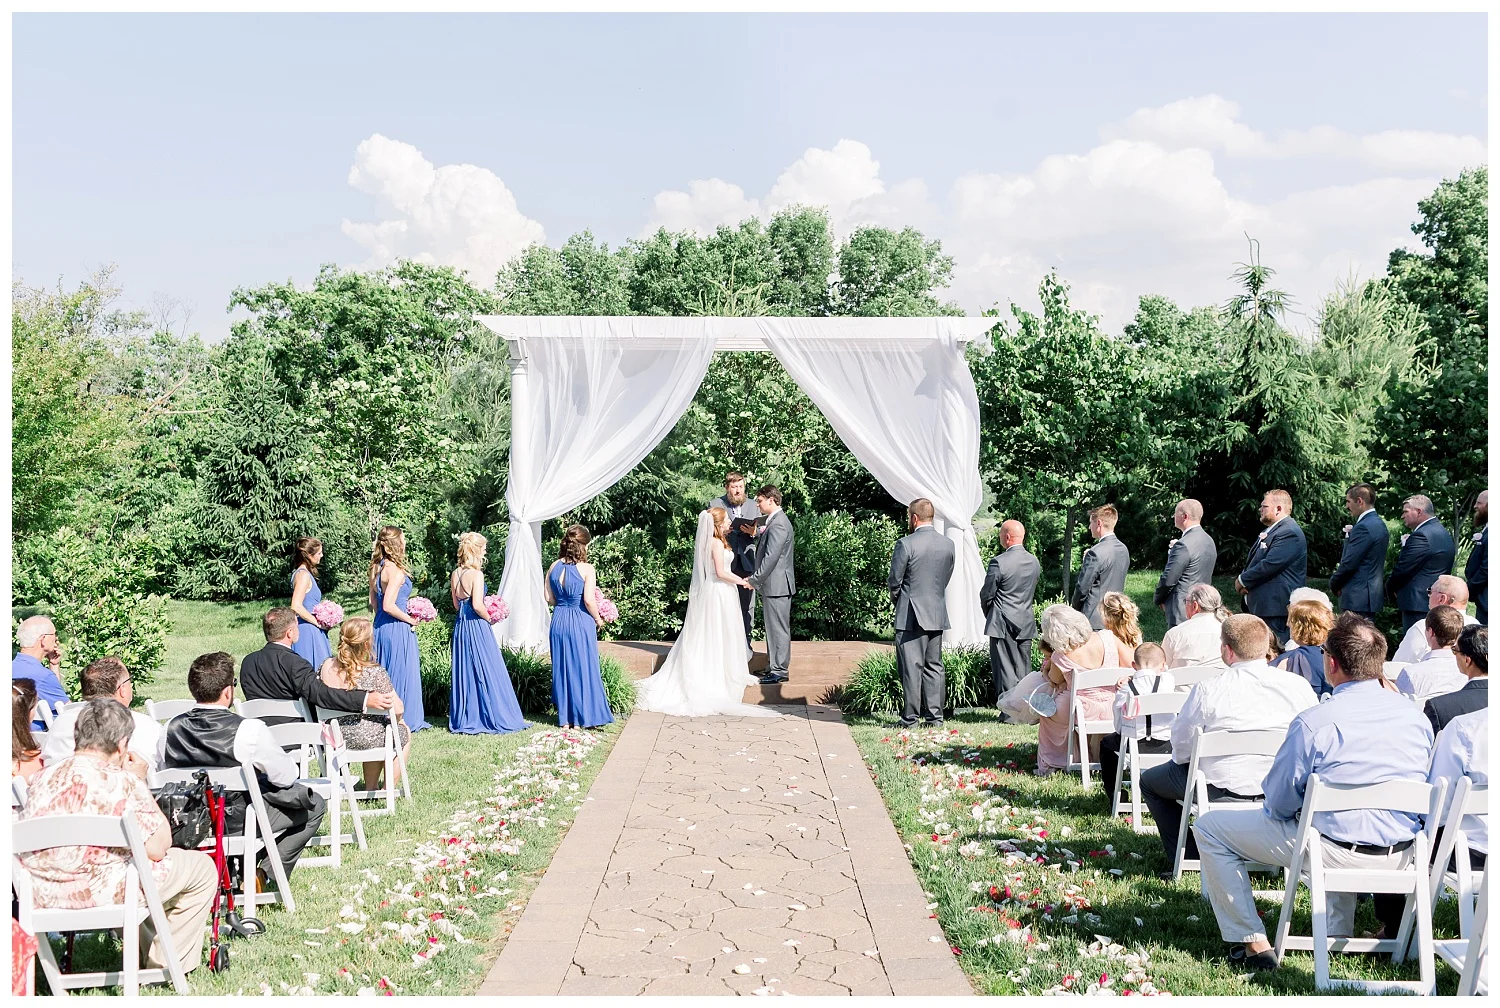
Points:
x=933 y=781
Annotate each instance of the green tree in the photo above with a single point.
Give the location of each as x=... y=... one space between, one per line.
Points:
x=884 y=272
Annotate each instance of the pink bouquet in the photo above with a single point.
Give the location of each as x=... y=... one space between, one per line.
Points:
x=328 y=614
x=608 y=611
x=420 y=609
x=496 y=608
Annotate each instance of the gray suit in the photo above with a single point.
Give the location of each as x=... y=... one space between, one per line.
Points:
x=1009 y=616
x=1104 y=567
x=776 y=581
x=1190 y=562
x=744 y=554
x=921 y=567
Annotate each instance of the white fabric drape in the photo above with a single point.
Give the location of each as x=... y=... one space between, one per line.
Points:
x=588 y=401
x=907 y=409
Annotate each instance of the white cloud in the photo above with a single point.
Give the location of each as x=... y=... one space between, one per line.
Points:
x=707 y=204
x=456 y=215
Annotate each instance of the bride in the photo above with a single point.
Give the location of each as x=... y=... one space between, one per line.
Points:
x=707 y=670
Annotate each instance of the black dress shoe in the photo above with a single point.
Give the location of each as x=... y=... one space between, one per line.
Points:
x=1258 y=962
x=771 y=679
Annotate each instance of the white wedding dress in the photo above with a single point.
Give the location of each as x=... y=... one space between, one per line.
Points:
x=707 y=670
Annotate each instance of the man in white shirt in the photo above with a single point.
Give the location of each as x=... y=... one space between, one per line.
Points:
x=1438 y=673
x=1447 y=590
x=1463 y=750
x=1195 y=641
x=103 y=679
x=1249 y=696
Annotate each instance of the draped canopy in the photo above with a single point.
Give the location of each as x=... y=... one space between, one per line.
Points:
x=592 y=395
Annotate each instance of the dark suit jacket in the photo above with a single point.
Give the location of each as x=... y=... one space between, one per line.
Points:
x=279 y=673
x=1008 y=593
x=1190 y=562
x=1359 y=579
x=1276 y=567
x=1103 y=570
x=1477 y=575
x=743 y=545
x=1427 y=555
x=1442 y=709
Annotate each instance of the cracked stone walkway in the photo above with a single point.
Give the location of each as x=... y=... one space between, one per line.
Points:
x=729 y=855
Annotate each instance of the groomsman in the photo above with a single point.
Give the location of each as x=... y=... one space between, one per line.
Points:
x=742 y=516
x=1190 y=561
x=921 y=567
x=1009 y=617
x=1104 y=566
x=1277 y=564
x=1427 y=553
x=1477 y=570
x=1359 y=579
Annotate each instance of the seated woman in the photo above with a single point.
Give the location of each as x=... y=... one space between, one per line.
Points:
x=1072 y=646
x=25 y=753
x=353 y=668
x=1309 y=622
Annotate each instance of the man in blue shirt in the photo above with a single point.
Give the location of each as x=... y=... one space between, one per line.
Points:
x=1363 y=734
x=40 y=660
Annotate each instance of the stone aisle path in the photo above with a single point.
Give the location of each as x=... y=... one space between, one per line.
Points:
x=730 y=856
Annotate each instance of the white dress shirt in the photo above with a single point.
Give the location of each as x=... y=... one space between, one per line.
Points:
x=1432 y=676
x=144 y=740
x=1463 y=750
x=1414 y=646
x=1131 y=725
x=253 y=744
x=1193 y=642
x=1249 y=696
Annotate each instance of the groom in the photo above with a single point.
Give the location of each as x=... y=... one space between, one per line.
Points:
x=776 y=582
x=742 y=515
x=921 y=566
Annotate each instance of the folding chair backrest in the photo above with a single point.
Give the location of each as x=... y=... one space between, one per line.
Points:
x=59 y=708
x=1261 y=742
x=1392 y=669
x=325 y=714
x=42 y=711
x=163 y=711
x=1477 y=801
x=1191 y=675
x=1411 y=796
x=272 y=708
x=1094 y=678
x=67 y=831
x=18 y=792
x=1160 y=703
x=231 y=777
x=309 y=735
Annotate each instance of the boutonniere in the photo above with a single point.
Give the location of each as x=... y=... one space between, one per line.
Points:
x=1347 y=530
x=1404 y=538
x=1479 y=537
x=1174 y=542
x=1263 y=535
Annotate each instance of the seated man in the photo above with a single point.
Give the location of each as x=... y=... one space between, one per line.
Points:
x=103 y=679
x=1249 y=696
x=1447 y=590
x=1437 y=673
x=103 y=776
x=1364 y=734
x=1153 y=733
x=1463 y=750
x=212 y=735
x=1195 y=641
x=1472 y=653
x=276 y=672
x=40 y=660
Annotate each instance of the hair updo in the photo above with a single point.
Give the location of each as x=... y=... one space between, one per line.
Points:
x=471 y=546
x=575 y=545
x=1121 y=617
x=302 y=553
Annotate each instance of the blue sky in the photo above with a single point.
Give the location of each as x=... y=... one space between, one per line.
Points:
x=1130 y=151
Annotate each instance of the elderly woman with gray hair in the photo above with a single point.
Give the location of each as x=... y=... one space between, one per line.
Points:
x=1071 y=645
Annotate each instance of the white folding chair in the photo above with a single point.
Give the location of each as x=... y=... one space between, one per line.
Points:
x=257 y=835
x=1391 y=669
x=1468 y=799
x=1195 y=801
x=1188 y=676
x=57 y=709
x=1410 y=877
x=142 y=902
x=1472 y=978
x=1150 y=705
x=42 y=711
x=272 y=708
x=314 y=742
x=17 y=795
x=388 y=753
x=162 y=711
x=1079 y=727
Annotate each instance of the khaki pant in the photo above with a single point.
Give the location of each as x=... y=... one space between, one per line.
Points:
x=187 y=896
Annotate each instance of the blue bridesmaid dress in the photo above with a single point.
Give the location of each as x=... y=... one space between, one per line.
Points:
x=396 y=652
x=577 y=689
x=483 y=701
x=312 y=640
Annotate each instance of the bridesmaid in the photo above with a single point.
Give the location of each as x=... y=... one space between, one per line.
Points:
x=312 y=639
x=577 y=689
x=483 y=700
x=395 y=631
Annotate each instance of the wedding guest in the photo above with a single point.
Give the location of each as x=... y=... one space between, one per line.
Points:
x=1472 y=655
x=1070 y=646
x=1447 y=590
x=775 y=578
x=577 y=686
x=1463 y=750
x=1153 y=732
x=1190 y=561
x=483 y=701
x=277 y=672
x=1276 y=564
x=1122 y=621
x=1477 y=569
x=311 y=641
x=1308 y=621
x=103 y=777
x=1427 y=553
x=353 y=668
x=921 y=566
x=1195 y=641
x=743 y=515
x=1007 y=600
x=395 y=630
x=40 y=660
x=1359 y=579
x=103 y=679
x=1438 y=673
x=25 y=754
x=1248 y=696
x=1104 y=566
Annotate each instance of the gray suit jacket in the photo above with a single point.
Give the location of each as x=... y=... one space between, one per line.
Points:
x=1190 y=562
x=774 y=556
x=921 y=566
x=1008 y=593
x=1104 y=567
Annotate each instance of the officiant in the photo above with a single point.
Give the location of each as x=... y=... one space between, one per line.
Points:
x=744 y=522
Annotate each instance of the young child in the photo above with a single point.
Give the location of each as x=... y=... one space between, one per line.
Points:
x=1153 y=734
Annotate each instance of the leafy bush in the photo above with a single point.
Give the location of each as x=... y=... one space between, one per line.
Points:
x=874 y=689
x=435 y=659
x=647 y=583
x=842 y=569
